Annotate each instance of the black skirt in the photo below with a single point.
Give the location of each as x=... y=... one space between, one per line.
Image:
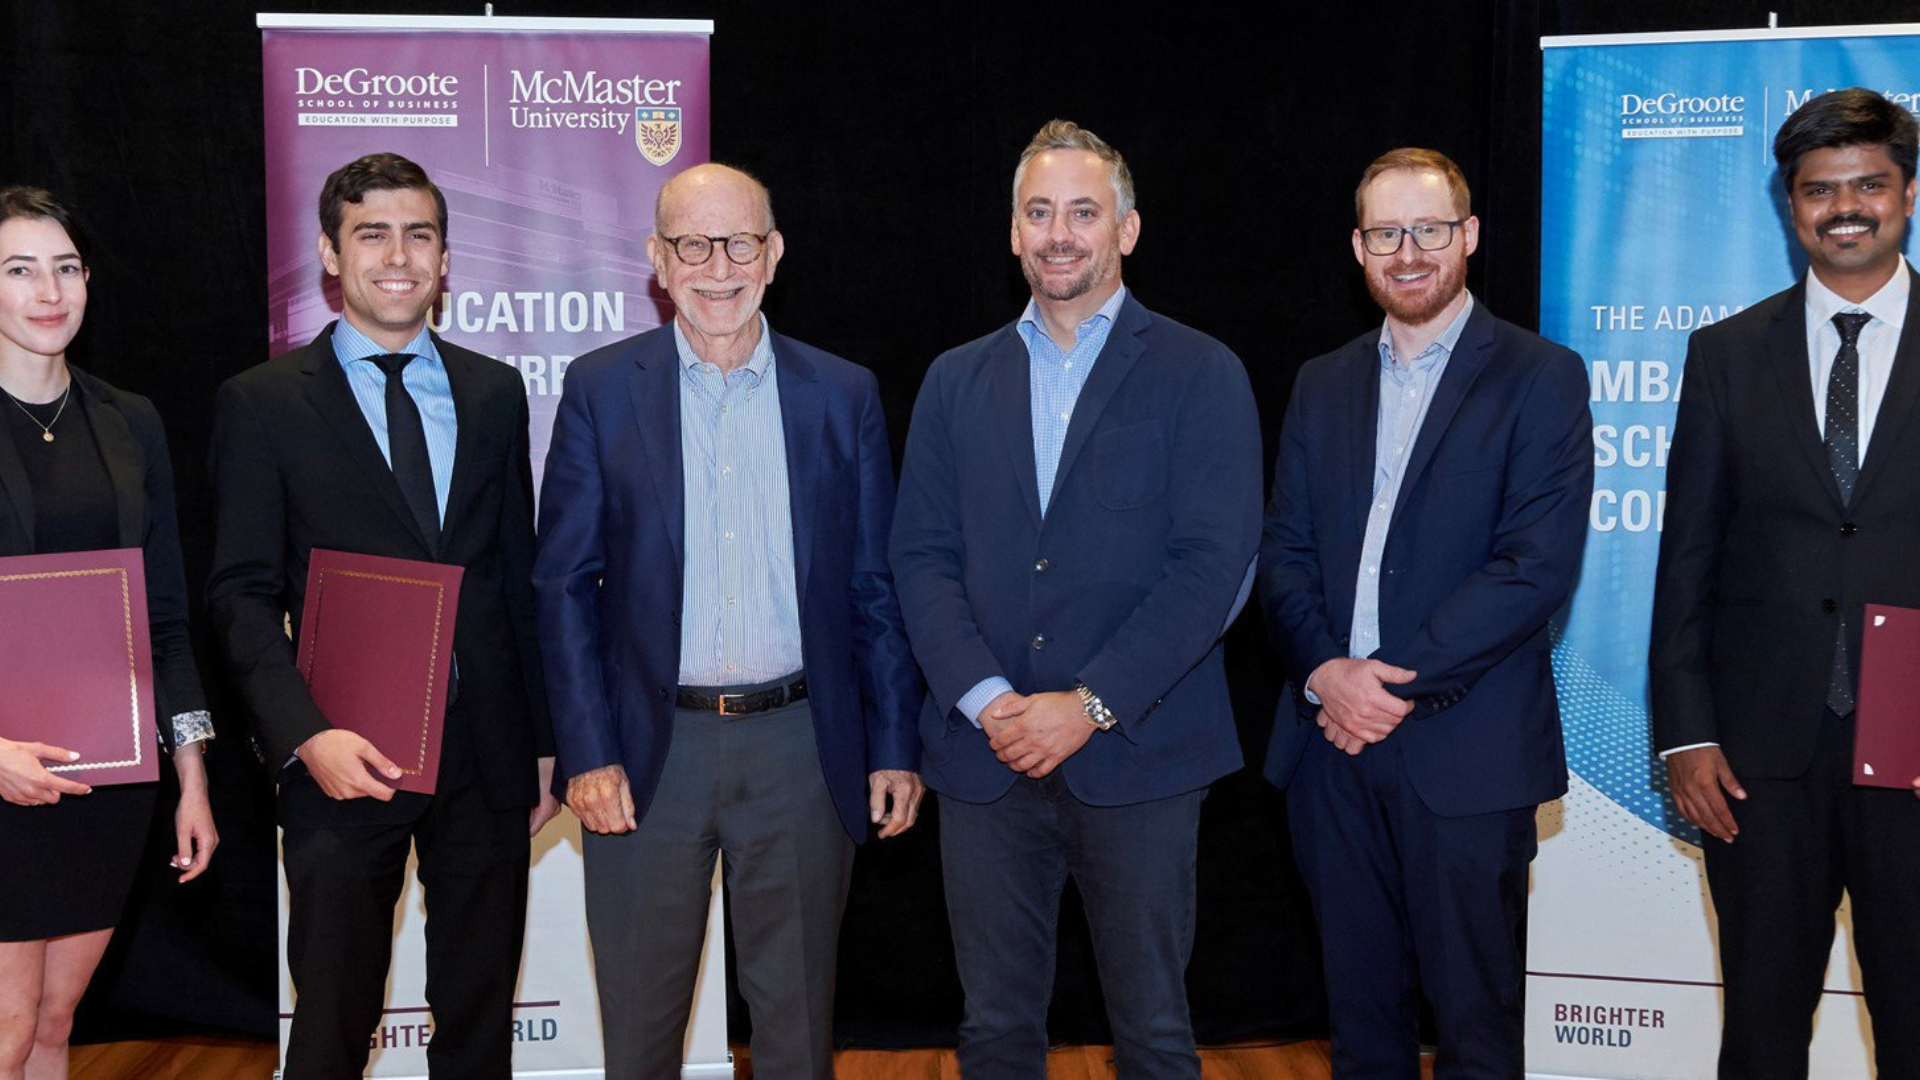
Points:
x=69 y=866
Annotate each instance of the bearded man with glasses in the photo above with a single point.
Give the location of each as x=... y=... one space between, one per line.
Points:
x=1429 y=508
x=729 y=670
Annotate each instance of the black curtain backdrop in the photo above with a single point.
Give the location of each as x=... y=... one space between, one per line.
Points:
x=887 y=133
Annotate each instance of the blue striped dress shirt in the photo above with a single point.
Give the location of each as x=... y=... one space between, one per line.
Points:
x=426 y=382
x=1054 y=381
x=739 y=608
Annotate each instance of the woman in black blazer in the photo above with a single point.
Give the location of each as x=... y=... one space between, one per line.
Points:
x=83 y=467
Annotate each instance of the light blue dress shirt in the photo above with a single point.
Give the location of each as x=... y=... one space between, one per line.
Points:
x=739 y=608
x=1406 y=393
x=1054 y=381
x=426 y=382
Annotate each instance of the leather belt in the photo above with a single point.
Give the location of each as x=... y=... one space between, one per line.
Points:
x=719 y=699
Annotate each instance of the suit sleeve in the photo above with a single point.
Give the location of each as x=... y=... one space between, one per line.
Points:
x=177 y=678
x=247 y=591
x=1213 y=492
x=567 y=573
x=516 y=557
x=890 y=683
x=1535 y=551
x=1293 y=595
x=1698 y=506
x=926 y=555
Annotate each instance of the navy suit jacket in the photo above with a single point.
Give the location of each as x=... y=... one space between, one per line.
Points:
x=608 y=577
x=1483 y=548
x=1126 y=582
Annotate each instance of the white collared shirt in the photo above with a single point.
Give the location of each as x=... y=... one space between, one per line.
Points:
x=1877 y=343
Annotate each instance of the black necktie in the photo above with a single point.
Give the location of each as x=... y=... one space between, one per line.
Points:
x=1843 y=458
x=407 y=450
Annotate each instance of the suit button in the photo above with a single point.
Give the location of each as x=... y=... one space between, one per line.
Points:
x=1040 y=565
x=1829 y=606
x=1848 y=528
x=663 y=693
x=1039 y=641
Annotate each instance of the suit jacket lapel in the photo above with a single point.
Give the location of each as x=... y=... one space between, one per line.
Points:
x=327 y=391
x=1787 y=356
x=1363 y=421
x=802 y=423
x=126 y=465
x=1110 y=368
x=1902 y=396
x=468 y=418
x=1469 y=358
x=653 y=386
x=18 y=498
x=1010 y=389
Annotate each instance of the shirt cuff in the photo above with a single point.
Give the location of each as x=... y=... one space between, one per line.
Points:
x=1689 y=746
x=981 y=696
x=192 y=727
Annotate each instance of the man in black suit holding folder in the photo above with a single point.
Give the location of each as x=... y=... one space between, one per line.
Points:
x=1793 y=499
x=381 y=439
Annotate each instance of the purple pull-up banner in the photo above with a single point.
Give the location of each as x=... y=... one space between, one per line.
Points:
x=550 y=139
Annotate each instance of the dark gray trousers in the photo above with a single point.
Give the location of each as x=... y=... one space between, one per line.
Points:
x=749 y=787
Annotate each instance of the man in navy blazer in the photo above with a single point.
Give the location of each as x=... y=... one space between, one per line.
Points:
x=1078 y=505
x=1429 y=509
x=730 y=673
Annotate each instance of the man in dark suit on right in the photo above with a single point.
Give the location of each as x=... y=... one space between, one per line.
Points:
x=1429 y=509
x=1793 y=499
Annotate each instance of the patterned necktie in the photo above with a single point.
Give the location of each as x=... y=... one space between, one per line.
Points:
x=1843 y=459
x=407 y=449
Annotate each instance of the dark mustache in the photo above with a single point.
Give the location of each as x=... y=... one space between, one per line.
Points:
x=1852 y=218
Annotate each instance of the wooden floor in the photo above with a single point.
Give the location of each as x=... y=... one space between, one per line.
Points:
x=236 y=1059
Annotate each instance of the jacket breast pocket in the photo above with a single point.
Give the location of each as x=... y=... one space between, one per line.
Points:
x=1130 y=465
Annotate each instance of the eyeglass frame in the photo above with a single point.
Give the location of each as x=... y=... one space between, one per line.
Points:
x=716 y=243
x=1406 y=231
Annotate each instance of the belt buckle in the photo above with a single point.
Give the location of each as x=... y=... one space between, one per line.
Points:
x=723 y=706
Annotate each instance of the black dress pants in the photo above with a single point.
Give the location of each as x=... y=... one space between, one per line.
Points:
x=342 y=884
x=1801 y=843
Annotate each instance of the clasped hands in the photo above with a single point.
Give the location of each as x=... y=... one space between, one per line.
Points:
x=1356 y=710
x=1035 y=733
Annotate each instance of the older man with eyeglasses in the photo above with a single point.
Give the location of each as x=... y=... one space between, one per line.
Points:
x=729 y=670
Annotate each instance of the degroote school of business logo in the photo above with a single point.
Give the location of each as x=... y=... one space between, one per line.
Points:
x=657 y=133
x=1682 y=116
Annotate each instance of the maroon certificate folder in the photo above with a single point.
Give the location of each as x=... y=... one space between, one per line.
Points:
x=376 y=649
x=76 y=663
x=1886 y=738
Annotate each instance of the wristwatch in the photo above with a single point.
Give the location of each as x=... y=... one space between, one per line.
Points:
x=1098 y=714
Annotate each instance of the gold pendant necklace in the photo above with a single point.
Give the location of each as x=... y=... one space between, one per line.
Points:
x=46 y=429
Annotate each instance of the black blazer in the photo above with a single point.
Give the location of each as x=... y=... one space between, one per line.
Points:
x=1759 y=557
x=133 y=445
x=295 y=467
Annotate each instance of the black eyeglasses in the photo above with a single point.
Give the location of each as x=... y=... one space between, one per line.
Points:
x=743 y=248
x=1427 y=236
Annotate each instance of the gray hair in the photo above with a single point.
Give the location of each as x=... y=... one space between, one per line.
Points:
x=1067 y=135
